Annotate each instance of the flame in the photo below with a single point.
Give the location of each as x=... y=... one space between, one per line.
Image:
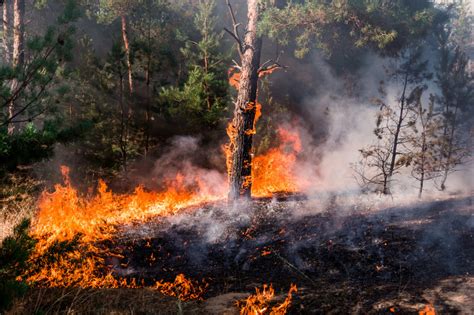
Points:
x=64 y=214
x=275 y=171
x=182 y=288
x=428 y=310
x=259 y=303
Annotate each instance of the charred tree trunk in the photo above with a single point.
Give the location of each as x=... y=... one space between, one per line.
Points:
x=18 y=52
x=240 y=180
x=6 y=33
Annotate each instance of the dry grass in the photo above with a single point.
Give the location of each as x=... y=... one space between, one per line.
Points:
x=18 y=194
x=100 y=301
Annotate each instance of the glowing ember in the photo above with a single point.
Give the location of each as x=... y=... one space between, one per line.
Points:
x=182 y=288
x=259 y=303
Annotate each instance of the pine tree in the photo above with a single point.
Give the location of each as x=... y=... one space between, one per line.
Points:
x=395 y=121
x=424 y=142
x=456 y=90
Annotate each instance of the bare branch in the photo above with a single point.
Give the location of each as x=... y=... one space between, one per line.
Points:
x=235 y=32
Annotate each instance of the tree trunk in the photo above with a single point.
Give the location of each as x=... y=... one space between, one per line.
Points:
x=423 y=161
x=18 y=52
x=6 y=37
x=148 y=106
x=123 y=123
x=396 y=136
x=450 y=138
x=126 y=46
x=240 y=180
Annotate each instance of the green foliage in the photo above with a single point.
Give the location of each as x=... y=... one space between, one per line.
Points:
x=14 y=253
x=203 y=99
x=385 y=26
x=32 y=144
x=30 y=86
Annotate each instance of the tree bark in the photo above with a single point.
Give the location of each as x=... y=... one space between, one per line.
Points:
x=126 y=46
x=18 y=51
x=6 y=33
x=240 y=180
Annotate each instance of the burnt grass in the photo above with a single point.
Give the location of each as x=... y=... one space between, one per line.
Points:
x=343 y=261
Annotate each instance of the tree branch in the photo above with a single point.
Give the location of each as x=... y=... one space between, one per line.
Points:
x=235 y=32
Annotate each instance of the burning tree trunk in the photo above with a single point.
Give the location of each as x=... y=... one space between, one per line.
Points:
x=18 y=51
x=242 y=126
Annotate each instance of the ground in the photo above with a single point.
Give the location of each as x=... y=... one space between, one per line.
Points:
x=346 y=256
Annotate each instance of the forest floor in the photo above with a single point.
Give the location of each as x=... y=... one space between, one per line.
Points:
x=345 y=258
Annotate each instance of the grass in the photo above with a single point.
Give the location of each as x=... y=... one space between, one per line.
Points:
x=19 y=192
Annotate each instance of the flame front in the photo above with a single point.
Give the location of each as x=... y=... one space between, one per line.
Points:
x=63 y=214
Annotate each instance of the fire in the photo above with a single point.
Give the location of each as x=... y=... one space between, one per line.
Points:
x=428 y=310
x=259 y=303
x=182 y=288
x=67 y=216
x=63 y=213
x=275 y=171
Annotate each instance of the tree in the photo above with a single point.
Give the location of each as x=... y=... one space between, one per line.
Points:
x=203 y=98
x=108 y=11
x=117 y=63
x=33 y=77
x=456 y=90
x=395 y=121
x=18 y=52
x=425 y=142
x=381 y=25
x=242 y=125
x=412 y=73
x=6 y=32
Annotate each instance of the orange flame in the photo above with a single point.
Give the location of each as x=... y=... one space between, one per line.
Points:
x=428 y=310
x=63 y=213
x=259 y=303
x=182 y=288
x=275 y=171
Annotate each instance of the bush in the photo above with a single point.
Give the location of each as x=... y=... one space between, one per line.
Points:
x=14 y=253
